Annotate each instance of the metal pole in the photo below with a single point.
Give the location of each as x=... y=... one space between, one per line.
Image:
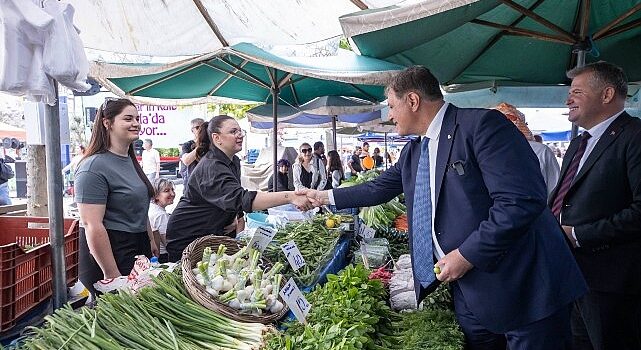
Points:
x=580 y=62
x=386 y=150
x=334 y=131
x=274 y=92
x=54 y=188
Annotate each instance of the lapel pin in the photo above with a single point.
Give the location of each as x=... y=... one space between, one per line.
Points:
x=449 y=137
x=612 y=133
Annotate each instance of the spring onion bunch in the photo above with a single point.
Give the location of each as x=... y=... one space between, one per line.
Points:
x=238 y=281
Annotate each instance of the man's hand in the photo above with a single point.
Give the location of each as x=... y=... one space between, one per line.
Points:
x=453 y=266
x=315 y=197
x=155 y=251
x=301 y=202
x=568 y=233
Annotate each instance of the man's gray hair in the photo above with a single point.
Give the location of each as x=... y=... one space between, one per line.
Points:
x=603 y=74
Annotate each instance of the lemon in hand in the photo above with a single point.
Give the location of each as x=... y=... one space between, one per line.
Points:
x=437 y=269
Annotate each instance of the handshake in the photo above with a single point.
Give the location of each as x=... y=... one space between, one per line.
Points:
x=306 y=199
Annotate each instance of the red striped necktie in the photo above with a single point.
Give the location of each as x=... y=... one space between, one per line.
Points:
x=570 y=174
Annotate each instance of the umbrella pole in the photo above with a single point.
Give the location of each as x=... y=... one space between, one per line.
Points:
x=274 y=92
x=386 y=151
x=334 y=131
x=580 y=62
x=54 y=188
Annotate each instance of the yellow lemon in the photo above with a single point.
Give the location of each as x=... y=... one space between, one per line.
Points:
x=330 y=223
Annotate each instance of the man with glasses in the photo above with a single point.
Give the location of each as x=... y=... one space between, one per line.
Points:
x=188 y=151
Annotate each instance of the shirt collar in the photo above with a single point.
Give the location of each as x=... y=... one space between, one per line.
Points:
x=220 y=155
x=434 y=130
x=598 y=130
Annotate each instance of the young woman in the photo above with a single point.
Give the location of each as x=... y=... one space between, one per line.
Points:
x=164 y=195
x=335 y=168
x=113 y=195
x=213 y=201
x=305 y=172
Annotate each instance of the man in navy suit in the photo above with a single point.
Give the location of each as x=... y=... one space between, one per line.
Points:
x=477 y=207
x=598 y=200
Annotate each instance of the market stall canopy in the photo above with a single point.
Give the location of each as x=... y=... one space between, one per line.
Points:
x=246 y=72
x=385 y=127
x=304 y=120
x=192 y=27
x=501 y=42
x=339 y=105
x=529 y=97
x=11 y=131
x=378 y=137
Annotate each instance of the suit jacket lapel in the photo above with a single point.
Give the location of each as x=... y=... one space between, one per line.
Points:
x=445 y=142
x=604 y=142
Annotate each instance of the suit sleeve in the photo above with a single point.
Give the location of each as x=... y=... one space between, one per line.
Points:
x=552 y=170
x=380 y=190
x=624 y=225
x=514 y=182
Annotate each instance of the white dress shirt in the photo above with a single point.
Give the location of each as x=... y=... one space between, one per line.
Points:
x=596 y=132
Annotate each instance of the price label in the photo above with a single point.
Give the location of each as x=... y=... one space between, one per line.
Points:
x=262 y=237
x=294 y=298
x=293 y=255
x=365 y=231
x=344 y=226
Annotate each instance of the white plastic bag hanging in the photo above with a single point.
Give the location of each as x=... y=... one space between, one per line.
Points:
x=23 y=29
x=64 y=56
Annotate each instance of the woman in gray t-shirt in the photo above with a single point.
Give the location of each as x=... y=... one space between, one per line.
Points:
x=113 y=195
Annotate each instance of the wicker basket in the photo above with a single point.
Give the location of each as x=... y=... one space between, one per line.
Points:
x=194 y=253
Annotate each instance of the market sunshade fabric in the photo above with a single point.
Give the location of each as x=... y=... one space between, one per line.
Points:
x=304 y=120
x=501 y=41
x=192 y=27
x=246 y=72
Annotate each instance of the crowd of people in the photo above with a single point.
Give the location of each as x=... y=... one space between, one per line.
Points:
x=536 y=257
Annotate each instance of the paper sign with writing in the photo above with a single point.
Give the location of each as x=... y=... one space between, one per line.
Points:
x=294 y=298
x=262 y=237
x=366 y=231
x=293 y=255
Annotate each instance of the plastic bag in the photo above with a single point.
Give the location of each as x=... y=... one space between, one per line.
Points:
x=64 y=58
x=24 y=27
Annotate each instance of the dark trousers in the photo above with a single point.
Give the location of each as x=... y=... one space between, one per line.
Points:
x=550 y=333
x=124 y=245
x=604 y=321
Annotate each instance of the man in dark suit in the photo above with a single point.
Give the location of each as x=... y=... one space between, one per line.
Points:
x=477 y=202
x=598 y=199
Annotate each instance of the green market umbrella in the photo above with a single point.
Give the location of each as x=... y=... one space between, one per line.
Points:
x=472 y=44
x=246 y=72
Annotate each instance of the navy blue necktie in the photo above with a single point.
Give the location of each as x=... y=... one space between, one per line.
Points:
x=422 y=246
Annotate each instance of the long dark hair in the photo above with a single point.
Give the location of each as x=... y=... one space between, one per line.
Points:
x=334 y=162
x=203 y=142
x=100 y=140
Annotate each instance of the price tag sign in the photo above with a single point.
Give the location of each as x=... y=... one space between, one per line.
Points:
x=294 y=298
x=262 y=237
x=344 y=226
x=366 y=231
x=293 y=255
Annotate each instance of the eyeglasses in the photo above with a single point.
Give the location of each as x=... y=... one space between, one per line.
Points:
x=107 y=100
x=238 y=132
x=306 y=150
